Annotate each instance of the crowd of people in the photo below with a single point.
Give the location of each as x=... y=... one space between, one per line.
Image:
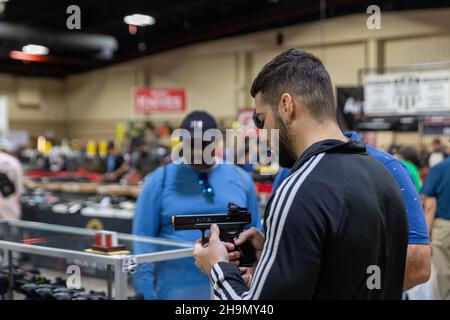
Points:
x=127 y=162
x=430 y=172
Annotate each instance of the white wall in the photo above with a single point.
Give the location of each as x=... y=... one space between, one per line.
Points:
x=48 y=115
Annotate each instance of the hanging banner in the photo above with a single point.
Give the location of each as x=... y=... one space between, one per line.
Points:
x=351 y=114
x=149 y=100
x=436 y=125
x=404 y=94
x=389 y=123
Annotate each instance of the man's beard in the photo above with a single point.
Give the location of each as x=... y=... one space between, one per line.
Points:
x=287 y=156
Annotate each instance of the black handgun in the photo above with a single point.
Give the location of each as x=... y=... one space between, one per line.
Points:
x=230 y=224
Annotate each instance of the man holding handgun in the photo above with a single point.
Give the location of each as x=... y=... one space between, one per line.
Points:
x=336 y=227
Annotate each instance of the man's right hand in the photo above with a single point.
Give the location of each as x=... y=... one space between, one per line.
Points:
x=256 y=239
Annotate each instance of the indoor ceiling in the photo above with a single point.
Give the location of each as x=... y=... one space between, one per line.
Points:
x=105 y=39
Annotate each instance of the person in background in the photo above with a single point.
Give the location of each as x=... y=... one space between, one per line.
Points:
x=393 y=148
x=424 y=155
x=436 y=191
x=28 y=154
x=11 y=182
x=418 y=266
x=437 y=154
x=411 y=160
x=242 y=157
x=446 y=150
x=116 y=165
x=80 y=154
x=182 y=189
x=143 y=159
x=282 y=174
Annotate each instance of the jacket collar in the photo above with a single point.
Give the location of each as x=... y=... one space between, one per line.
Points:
x=329 y=146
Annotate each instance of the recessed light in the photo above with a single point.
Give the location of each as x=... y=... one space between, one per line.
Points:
x=139 y=20
x=35 y=49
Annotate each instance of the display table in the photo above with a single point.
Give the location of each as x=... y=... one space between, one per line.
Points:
x=83 y=205
x=46 y=215
x=70 y=244
x=85 y=188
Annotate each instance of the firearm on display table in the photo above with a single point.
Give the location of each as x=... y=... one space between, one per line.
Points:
x=34 y=286
x=230 y=224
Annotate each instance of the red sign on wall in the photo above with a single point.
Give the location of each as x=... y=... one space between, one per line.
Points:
x=159 y=100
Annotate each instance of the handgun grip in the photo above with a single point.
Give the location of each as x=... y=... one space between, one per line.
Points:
x=248 y=256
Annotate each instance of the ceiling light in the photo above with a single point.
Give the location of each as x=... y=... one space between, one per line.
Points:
x=35 y=49
x=2 y=5
x=139 y=20
x=19 y=55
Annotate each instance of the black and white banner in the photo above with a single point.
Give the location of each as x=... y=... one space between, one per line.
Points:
x=407 y=94
x=352 y=115
x=436 y=125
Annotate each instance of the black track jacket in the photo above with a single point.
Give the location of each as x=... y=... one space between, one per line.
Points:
x=335 y=229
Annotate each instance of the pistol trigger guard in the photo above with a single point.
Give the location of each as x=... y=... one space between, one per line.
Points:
x=204 y=240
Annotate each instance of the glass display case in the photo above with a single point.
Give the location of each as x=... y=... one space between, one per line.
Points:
x=71 y=243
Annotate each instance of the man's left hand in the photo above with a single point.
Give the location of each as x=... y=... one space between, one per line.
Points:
x=215 y=251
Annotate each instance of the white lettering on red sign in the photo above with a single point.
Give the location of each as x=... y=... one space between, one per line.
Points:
x=160 y=100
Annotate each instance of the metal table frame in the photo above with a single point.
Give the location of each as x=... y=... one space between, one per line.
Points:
x=116 y=264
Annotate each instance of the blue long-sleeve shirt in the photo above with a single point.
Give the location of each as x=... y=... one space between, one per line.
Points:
x=180 y=193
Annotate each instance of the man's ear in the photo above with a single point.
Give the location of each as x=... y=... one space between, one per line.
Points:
x=286 y=108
